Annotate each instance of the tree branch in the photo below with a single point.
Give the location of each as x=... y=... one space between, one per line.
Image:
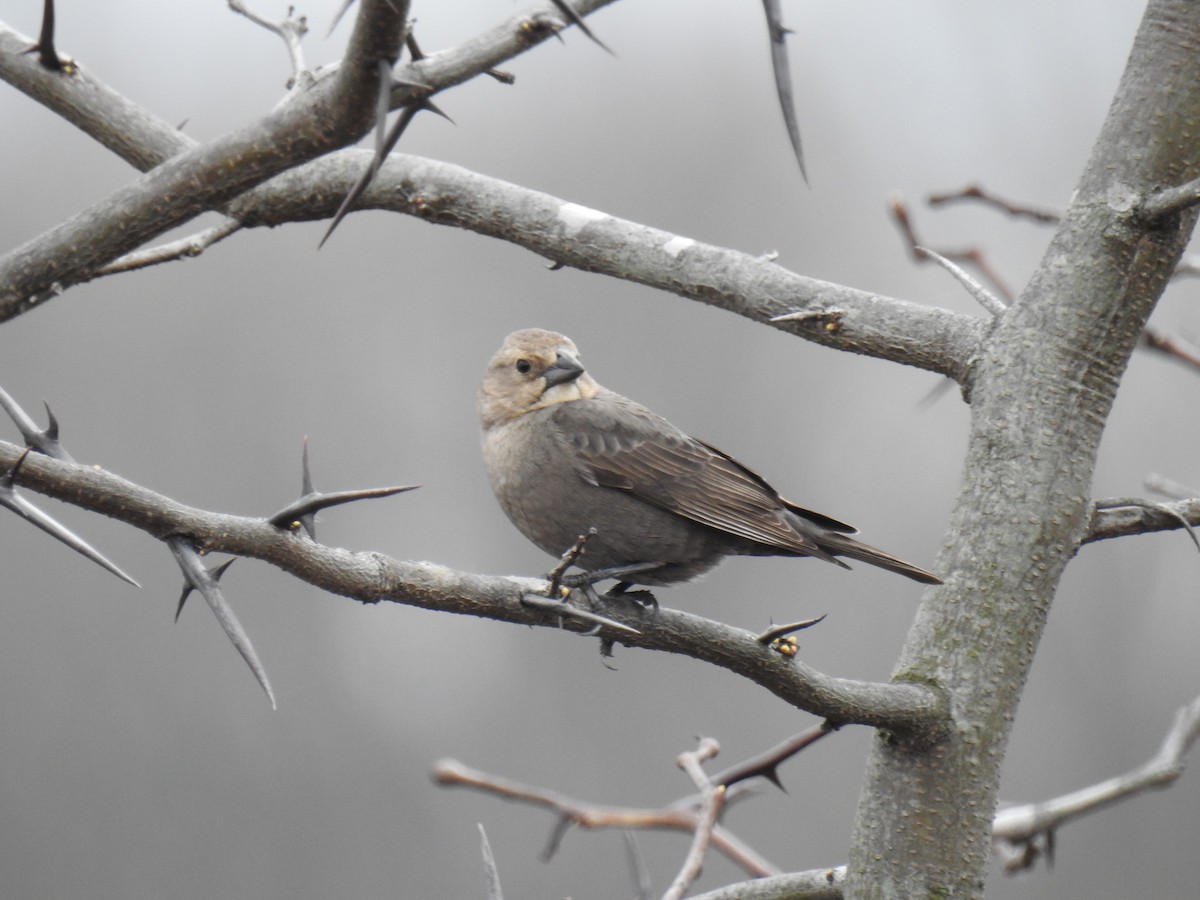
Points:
x=815 y=884
x=371 y=577
x=335 y=112
x=1016 y=828
x=1125 y=517
x=570 y=235
x=682 y=815
x=1172 y=200
x=593 y=241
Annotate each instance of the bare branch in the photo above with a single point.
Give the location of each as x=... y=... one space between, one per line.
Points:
x=292 y=30
x=336 y=111
x=1170 y=347
x=697 y=813
x=681 y=816
x=371 y=577
x=975 y=192
x=766 y=765
x=637 y=866
x=815 y=884
x=1172 y=200
x=184 y=248
x=1015 y=828
x=570 y=235
x=972 y=255
x=1128 y=516
x=594 y=241
x=712 y=801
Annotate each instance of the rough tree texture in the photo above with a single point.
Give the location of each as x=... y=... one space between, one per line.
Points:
x=1040 y=394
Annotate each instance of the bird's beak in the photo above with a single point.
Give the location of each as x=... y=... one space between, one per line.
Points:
x=566 y=368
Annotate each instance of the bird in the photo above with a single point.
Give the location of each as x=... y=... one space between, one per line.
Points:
x=567 y=458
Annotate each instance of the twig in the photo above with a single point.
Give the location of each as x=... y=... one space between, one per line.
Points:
x=1018 y=210
x=1172 y=200
x=766 y=765
x=1122 y=517
x=292 y=29
x=568 y=559
x=693 y=813
x=204 y=177
x=1169 y=347
x=184 y=248
x=712 y=801
x=1015 y=830
x=568 y=811
x=972 y=255
x=384 y=145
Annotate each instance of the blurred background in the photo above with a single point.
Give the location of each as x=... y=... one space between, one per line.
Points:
x=138 y=758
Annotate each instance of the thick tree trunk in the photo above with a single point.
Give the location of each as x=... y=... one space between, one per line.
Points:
x=1040 y=394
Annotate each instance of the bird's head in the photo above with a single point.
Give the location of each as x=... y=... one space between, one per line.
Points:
x=532 y=370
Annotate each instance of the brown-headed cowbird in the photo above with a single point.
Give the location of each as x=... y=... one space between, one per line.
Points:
x=565 y=455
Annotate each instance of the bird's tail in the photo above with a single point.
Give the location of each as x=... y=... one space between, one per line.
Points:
x=844 y=545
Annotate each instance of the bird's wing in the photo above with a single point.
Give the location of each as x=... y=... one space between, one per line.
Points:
x=624 y=446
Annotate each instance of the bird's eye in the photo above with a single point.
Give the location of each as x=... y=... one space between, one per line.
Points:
x=524 y=366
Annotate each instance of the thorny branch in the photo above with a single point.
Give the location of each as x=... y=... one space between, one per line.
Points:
x=1158 y=205
x=971 y=255
x=333 y=113
x=1020 y=834
x=372 y=577
x=564 y=232
x=697 y=814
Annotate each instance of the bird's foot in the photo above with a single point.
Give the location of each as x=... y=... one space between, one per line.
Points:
x=621 y=592
x=594 y=576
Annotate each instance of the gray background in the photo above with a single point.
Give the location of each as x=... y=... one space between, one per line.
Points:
x=139 y=759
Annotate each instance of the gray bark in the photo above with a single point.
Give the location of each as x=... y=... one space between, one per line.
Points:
x=1040 y=392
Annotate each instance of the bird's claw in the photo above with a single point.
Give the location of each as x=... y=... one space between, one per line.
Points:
x=642 y=598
